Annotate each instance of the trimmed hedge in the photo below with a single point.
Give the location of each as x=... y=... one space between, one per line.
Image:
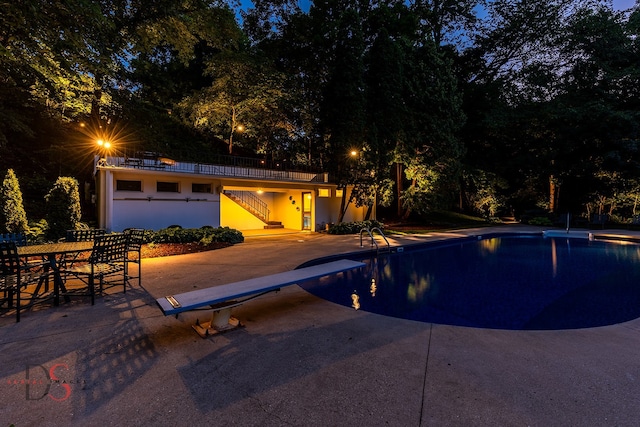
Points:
x=353 y=227
x=204 y=235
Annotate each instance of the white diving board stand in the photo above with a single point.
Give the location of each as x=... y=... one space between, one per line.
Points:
x=223 y=298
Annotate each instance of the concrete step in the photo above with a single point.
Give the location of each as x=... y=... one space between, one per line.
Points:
x=273 y=224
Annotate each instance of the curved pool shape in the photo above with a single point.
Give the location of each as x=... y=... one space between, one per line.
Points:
x=509 y=282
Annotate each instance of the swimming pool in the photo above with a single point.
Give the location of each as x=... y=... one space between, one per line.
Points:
x=519 y=282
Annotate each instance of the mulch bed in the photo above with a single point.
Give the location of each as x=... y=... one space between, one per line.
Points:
x=167 y=249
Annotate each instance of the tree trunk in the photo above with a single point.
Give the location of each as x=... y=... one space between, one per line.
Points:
x=233 y=128
x=407 y=212
x=367 y=216
x=399 y=187
x=343 y=205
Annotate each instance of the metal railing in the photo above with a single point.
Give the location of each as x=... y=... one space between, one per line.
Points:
x=225 y=166
x=373 y=240
x=251 y=202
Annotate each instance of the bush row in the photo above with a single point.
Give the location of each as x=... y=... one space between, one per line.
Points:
x=204 y=235
x=37 y=233
x=353 y=227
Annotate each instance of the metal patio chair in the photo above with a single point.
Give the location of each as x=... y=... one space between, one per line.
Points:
x=16 y=279
x=20 y=239
x=135 y=239
x=106 y=263
x=84 y=235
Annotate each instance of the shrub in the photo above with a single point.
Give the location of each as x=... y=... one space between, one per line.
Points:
x=13 y=218
x=540 y=220
x=176 y=234
x=226 y=234
x=204 y=235
x=63 y=207
x=354 y=227
x=37 y=231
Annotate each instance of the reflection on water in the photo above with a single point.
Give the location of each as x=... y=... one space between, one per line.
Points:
x=505 y=283
x=355 y=301
x=373 y=288
x=490 y=246
x=554 y=257
x=418 y=287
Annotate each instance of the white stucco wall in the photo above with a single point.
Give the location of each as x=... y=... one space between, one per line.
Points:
x=161 y=214
x=151 y=209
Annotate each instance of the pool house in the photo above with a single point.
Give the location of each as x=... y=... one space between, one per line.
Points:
x=246 y=194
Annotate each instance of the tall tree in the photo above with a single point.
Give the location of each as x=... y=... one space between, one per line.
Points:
x=447 y=21
x=431 y=150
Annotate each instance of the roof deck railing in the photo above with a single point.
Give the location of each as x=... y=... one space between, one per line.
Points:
x=225 y=166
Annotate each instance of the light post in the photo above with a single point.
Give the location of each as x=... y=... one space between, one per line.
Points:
x=103 y=149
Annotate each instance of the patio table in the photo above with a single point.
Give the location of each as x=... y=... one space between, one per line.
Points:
x=51 y=251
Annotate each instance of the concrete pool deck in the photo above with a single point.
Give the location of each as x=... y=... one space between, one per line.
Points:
x=301 y=360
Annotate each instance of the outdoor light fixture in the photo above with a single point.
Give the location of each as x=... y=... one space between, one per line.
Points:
x=104 y=144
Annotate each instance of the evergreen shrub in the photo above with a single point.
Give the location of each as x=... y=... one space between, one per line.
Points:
x=13 y=218
x=63 y=207
x=354 y=227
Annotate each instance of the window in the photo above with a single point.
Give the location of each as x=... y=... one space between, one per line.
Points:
x=200 y=188
x=339 y=192
x=125 y=185
x=167 y=187
x=324 y=192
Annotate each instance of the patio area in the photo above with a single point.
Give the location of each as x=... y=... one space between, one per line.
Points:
x=301 y=360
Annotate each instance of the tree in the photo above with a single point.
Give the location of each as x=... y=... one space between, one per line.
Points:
x=63 y=207
x=447 y=21
x=13 y=218
x=343 y=102
x=430 y=149
x=550 y=98
x=245 y=90
x=386 y=112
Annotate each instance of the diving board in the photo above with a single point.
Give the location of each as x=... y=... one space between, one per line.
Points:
x=222 y=298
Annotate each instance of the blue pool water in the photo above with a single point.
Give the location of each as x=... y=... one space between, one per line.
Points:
x=513 y=282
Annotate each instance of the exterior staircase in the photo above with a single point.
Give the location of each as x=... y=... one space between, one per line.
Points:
x=256 y=207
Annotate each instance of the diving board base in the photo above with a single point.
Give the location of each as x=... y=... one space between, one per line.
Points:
x=221 y=322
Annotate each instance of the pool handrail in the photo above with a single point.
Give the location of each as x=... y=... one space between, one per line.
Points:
x=373 y=240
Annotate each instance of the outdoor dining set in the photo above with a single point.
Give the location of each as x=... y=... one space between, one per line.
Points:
x=85 y=263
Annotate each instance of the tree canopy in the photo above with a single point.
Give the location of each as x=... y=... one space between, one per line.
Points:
x=485 y=106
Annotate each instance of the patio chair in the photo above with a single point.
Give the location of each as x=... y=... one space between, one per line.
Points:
x=135 y=239
x=20 y=239
x=16 y=277
x=84 y=235
x=107 y=261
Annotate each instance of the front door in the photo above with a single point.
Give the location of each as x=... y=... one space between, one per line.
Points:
x=306 y=211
